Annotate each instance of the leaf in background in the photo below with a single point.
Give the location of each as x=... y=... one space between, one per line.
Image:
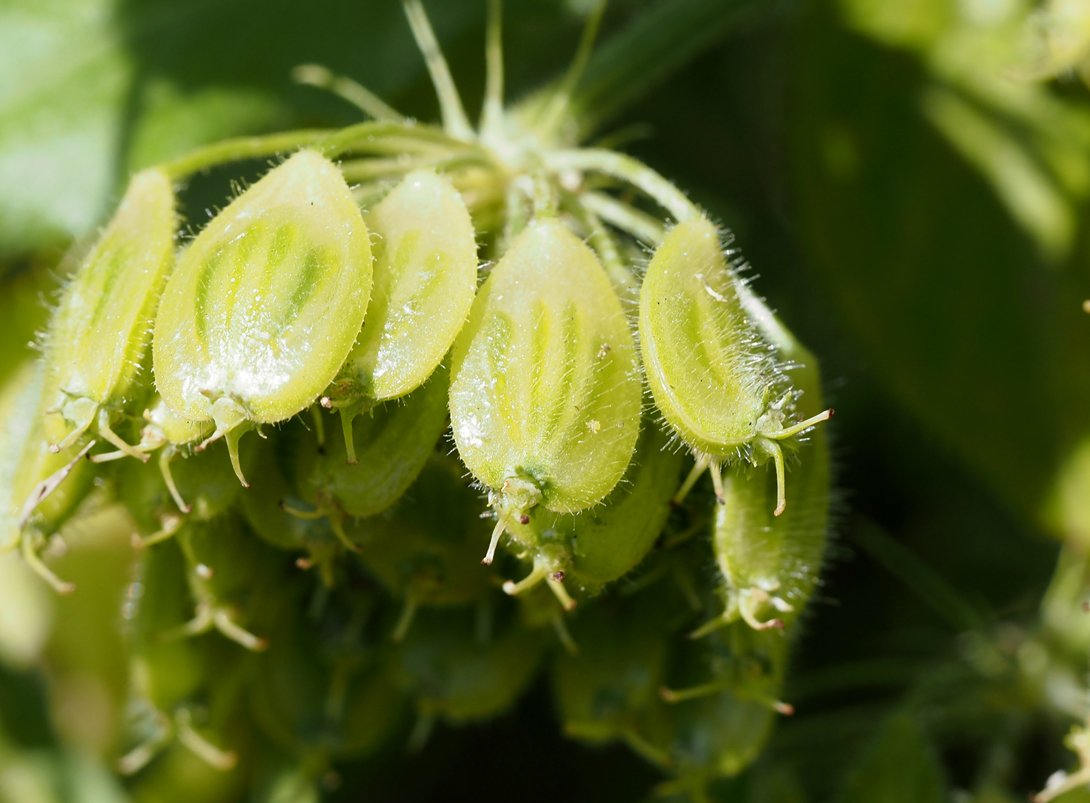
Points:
x=55 y=113
x=96 y=89
x=26 y=613
x=898 y=766
x=1032 y=145
x=928 y=268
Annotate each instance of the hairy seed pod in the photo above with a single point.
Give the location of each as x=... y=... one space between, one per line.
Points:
x=40 y=488
x=545 y=394
x=618 y=670
x=595 y=547
x=225 y=563
x=719 y=712
x=462 y=671
x=167 y=670
x=171 y=676
x=423 y=553
x=770 y=565
x=393 y=442
x=97 y=339
x=266 y=303
x=712 y=374
x=320 y=690
x=424 y=281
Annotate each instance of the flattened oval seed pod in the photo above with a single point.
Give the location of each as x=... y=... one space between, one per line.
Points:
x=545 y=394
x=463 y=672
x=393 y=443
x=97 y=339
x=718 y=726
x=40 y=489
x=158 y=604
x=172 y=676
x=225 y=563
x=770 y=565
x=425 y=279
x=712 y=374
x=321 y=690
x=593 y=548
x=423 y=553
x=266 y=303
x=618 y=670
x=610 y=541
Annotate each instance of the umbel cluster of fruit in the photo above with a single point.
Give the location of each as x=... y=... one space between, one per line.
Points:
x=318 y=588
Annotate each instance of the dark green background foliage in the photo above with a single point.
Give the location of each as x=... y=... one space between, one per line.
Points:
x=913 y=202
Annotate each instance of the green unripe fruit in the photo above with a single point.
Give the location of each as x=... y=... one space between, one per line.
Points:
x=40 y=488
x=716 y=725
x=226 y=565
x=97 y=339
x=425 y=277
x=167 y=667
x=712 y=375
x=321 y=690
x=770 y=565
x=171 y=674
x=423 y=551
x=392 y=443
x=462 y=672
x=266 y=303
x=590 y=549
x=545 y=394
x=618 y=670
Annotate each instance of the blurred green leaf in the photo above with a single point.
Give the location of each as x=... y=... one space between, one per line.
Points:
x=98 y=88
x=963 y=318
x=898 y=766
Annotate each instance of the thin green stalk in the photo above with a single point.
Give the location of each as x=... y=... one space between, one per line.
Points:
x=640 y=225
x=629 y=170
x=240 y=149
x=358 y=170
x=560 y=101
x=381 y=136
x=345 y=88
x=661 y=40
x=492 y=110
x=450 y=103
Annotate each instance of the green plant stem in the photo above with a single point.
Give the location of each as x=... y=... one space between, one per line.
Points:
x=345 y=88
x=629 y=170
x=645 y=228
x=372 y=136
x=660 y=40
x=238 y=149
